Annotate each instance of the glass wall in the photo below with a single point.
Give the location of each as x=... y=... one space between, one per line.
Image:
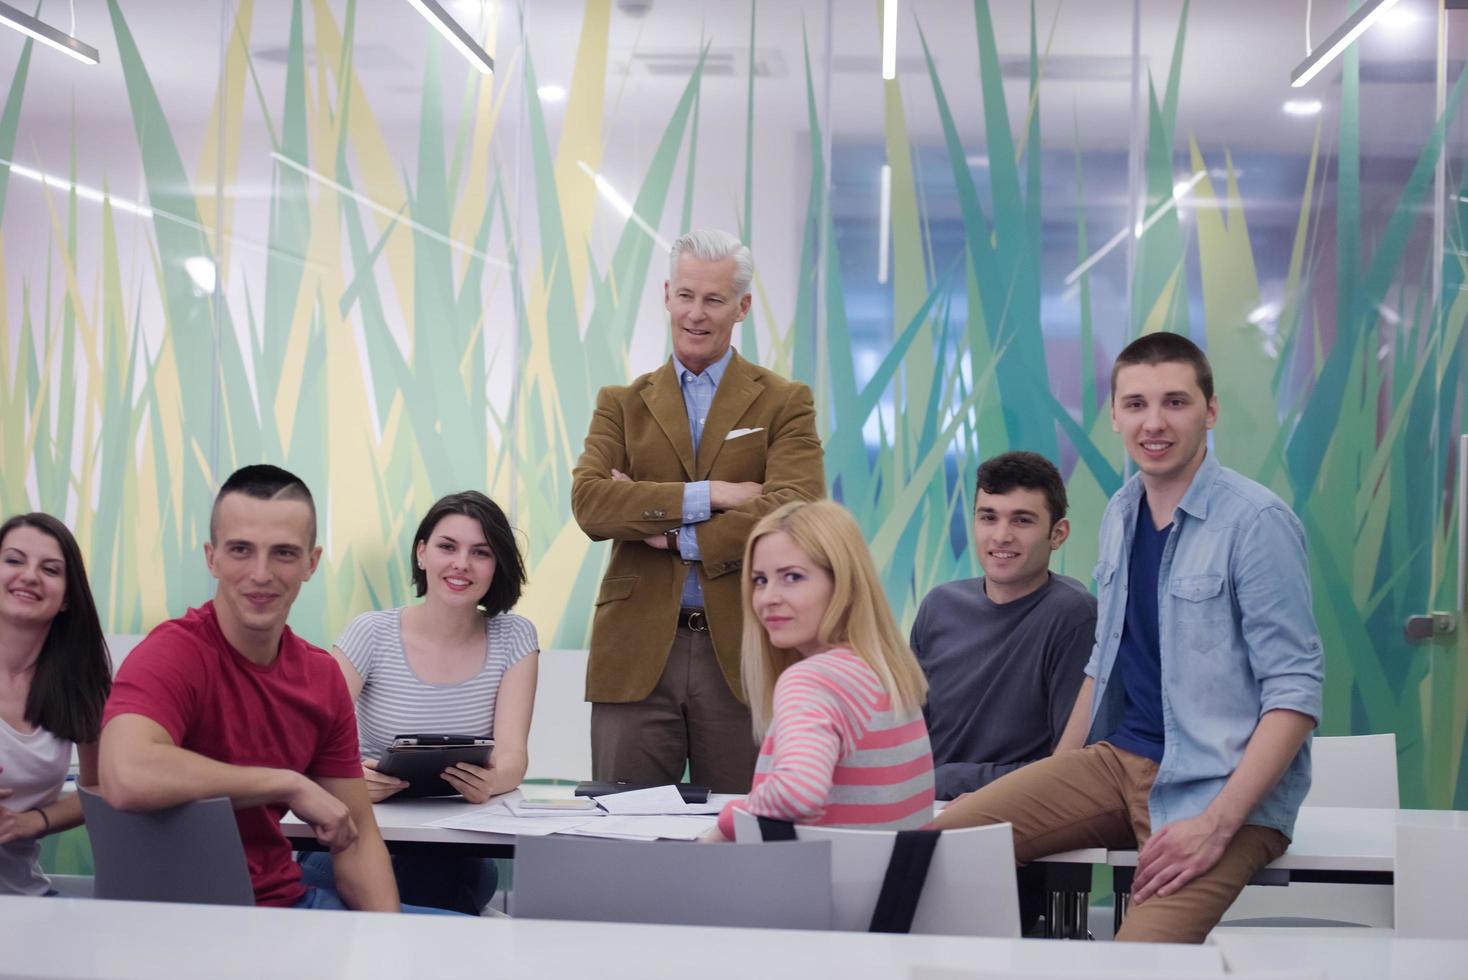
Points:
x=311 y=233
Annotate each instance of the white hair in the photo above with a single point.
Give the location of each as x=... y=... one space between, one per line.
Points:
x=713 y=245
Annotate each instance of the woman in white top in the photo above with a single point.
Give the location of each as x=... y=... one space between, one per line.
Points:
x=459 y=662
x=54 y=678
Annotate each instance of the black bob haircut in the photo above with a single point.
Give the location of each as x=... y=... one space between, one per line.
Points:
x=263 y=482
x=73 y=672
x=509 y=564
x=1027 y=471
x=1165 y=348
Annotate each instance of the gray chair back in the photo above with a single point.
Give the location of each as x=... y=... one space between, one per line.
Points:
x=189 y=853
x=778 y=887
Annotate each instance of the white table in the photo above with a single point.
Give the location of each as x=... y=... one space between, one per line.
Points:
x=1339 y=845
x=405 y=828
x=81 y=939
x=1343 y=954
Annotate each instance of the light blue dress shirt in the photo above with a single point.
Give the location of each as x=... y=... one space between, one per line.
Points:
x=1238 y=638
x=698 y=398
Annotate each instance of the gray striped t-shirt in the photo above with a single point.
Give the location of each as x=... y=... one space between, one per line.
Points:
x=394 y=701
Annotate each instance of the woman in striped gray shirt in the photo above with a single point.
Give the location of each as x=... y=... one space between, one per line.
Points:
x=458 y=662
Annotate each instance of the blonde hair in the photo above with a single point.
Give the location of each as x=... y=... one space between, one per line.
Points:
x=856 y=618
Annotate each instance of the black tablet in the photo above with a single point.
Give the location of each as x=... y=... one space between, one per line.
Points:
x=420 y=759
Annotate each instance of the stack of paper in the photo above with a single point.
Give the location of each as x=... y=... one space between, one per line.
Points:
x=645 y=828
x=655 y=801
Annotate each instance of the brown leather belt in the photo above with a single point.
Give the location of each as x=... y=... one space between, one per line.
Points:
x=693 y=619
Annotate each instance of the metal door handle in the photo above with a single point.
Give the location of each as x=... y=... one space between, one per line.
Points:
x=1432 y=624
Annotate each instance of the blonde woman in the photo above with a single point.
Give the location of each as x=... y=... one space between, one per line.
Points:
x=834 y=691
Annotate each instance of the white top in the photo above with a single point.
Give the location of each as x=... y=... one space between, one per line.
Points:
x=394 y=701
x=80 y=939
x=34 y=766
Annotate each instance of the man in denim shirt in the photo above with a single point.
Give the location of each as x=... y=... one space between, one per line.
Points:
x=1205 y=681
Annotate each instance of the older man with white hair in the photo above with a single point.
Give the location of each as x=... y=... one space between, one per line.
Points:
x=677 y=468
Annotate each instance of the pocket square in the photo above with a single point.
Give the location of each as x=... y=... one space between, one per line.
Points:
x=736 y=433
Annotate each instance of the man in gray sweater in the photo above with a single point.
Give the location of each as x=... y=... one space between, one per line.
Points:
x=1006 y=653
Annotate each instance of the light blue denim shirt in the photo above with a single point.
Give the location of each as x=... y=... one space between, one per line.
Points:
x=1238 y=638
x=698 y=398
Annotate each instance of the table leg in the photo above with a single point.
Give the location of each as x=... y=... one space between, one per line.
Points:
x=1121 y=895
x=1068 y=901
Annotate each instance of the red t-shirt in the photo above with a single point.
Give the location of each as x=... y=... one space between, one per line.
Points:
x=294 y=714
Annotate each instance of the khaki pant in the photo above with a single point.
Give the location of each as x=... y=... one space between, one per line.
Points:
x=1097 y=797
x=691 y=717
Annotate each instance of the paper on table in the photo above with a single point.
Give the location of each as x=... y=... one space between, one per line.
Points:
x=520 y=808
x=646 y=827
x=498 y=821
x=654 y=800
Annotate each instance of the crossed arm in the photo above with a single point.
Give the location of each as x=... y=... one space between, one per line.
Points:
x=60 y=814
x=610 y=503
x=142 y=769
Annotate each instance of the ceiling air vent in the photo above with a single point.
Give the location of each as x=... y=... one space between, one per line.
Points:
x=680 y=62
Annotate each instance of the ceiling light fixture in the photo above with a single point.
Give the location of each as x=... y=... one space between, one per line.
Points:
x=444 y=22
x=884 y=223
x=622 y=205
x=1354 y=26
x=1303 y=107
x=398 y=216
x=1180 y=190
x=551 y=93
x=889 y=39
x=48 y=35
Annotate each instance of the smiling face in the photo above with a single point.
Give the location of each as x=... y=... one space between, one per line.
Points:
x=1014 y=537
x=790 y=593
x=457 y=562
x=261 y=555
x=1164 y=419
x=703 y=308
x=32 y=577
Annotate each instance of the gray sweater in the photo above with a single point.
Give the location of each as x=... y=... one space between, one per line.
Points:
x=1002 y=678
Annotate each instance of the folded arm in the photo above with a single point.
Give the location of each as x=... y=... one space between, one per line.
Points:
x=794 y=470
x=63 y=813
x=363 y=872
x=142 y=769
x=606 y=507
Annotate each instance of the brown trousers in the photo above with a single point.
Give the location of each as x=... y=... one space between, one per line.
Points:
x=691 y=717
x=1097 y=797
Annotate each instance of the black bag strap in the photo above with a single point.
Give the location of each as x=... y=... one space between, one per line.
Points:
x=902 y=886
x=772 y=829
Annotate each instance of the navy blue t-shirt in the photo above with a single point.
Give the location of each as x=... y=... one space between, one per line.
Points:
x=1139 y=658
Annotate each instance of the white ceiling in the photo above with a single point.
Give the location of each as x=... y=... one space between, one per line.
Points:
x=1234 y=80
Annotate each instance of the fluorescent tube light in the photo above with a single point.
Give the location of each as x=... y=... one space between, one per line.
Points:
x=1180 y=190
x=889 y=39
x=622 y=205
x=455 y=34
x=1354 y=26
x=398 y=216
x=884 y=223
x=1303 y=107
x=48 y=35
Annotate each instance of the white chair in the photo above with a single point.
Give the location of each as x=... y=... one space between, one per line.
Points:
x=187 y=853
x=1431 y=866
x=1345 y=771
x=970 y=890
x=1354 y=770
x=560 y=739
x=583 y=879
x=119 y=645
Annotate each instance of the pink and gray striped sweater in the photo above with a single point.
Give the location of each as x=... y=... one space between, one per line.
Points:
x=838 y=754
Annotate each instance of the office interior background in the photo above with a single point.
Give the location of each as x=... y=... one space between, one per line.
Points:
x=311 y=233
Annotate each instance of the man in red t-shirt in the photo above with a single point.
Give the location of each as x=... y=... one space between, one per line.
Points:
x=227 y=701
